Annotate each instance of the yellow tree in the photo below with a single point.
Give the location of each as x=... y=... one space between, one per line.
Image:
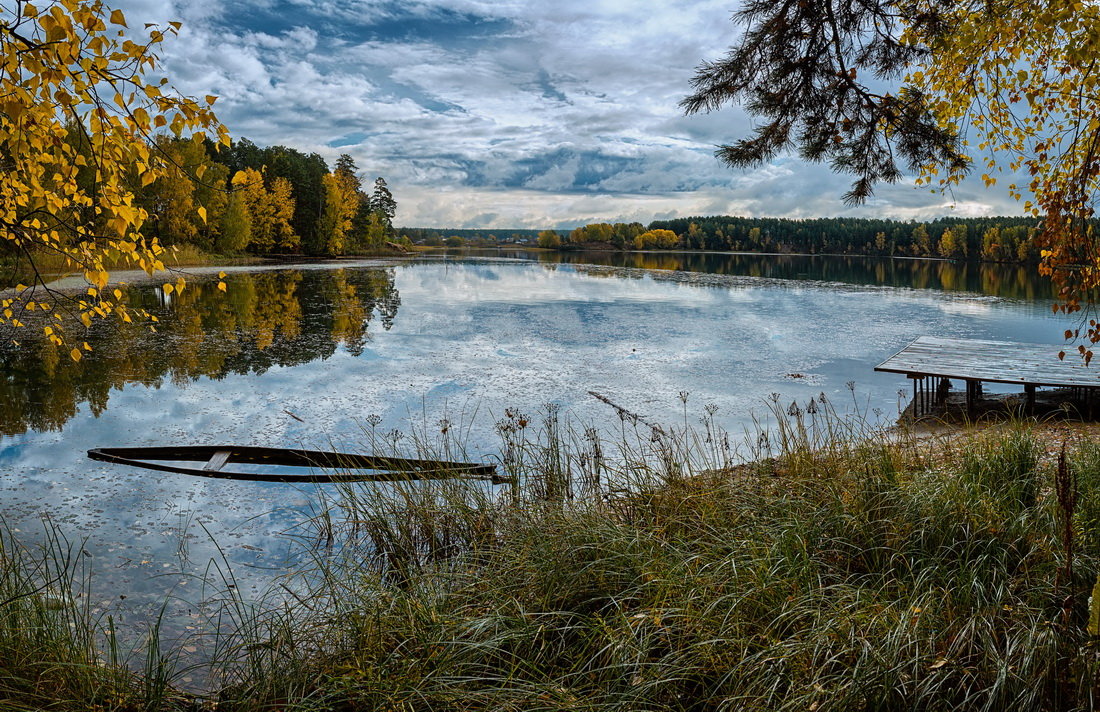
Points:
x=249 y=184
x=270 y=212
x=341 y=202
x=170 y=199
x=77 y=112
x=947 y=245
x=282 y=211
x=193 y=181
x=1021 y=81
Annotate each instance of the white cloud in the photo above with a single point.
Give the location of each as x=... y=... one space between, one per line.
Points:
x=568 y=108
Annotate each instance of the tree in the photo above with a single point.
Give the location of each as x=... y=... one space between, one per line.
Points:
x=921 y=241
x=380 y=218
x=382 y=199
x=305 y=173
x=336 y=215
x=948 y=246
x=249 y=184
x=991 y=244
x=549 y=239
x=660 y=239
x=236 y=226
x=68 y=78
x=169 y=201
x=191 y=181
x=798 y=67
x=1020 y=80
x=281 y=196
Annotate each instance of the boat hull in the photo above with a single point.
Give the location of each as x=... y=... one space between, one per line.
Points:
x=350 y=467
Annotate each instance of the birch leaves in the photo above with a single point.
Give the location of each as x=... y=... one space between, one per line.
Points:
x=77 y=116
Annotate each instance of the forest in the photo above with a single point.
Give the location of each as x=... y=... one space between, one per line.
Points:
x=248 y=199
x=993 y=239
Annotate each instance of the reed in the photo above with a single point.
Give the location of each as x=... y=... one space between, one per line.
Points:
x=841 y=569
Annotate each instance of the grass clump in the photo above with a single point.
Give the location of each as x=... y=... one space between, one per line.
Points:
x=55 y=654
x=845 y=571
x=878 y=574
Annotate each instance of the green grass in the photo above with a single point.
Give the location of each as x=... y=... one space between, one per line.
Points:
x=843 y=570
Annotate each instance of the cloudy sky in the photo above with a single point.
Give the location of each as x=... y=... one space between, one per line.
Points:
x=505 y=113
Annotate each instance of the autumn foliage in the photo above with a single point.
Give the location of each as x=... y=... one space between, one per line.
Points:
x=77 y=117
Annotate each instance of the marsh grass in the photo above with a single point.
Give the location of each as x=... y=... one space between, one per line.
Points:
x=839 y=569
x=55 y=652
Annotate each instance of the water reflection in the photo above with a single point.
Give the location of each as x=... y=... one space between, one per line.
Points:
x=999 y=280
x=264 y=319
x=296 y=316
x=313 y=356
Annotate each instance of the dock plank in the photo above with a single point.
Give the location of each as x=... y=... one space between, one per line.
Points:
x=991 y=361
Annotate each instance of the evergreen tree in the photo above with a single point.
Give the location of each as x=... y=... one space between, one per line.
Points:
x=382 y=202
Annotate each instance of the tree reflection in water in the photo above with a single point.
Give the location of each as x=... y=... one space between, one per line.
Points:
x=264 y=319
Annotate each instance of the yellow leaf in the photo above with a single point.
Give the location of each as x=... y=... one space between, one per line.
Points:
x=167 y=288
x=202 y=213
x=221 y=286
x=117 y=18
x=75 y=355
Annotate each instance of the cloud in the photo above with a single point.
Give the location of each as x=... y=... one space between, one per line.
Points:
x=569 y=109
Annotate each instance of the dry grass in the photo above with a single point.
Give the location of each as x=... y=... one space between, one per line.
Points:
x=843 y=569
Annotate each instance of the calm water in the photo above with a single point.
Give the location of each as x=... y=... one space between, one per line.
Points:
x=319 y=356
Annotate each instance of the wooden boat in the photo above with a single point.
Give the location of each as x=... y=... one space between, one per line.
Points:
x=346 y=467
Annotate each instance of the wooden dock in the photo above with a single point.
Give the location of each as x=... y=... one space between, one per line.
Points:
x=932 y=362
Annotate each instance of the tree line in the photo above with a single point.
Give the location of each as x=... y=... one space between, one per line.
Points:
x=245 y=198
x=996 y=239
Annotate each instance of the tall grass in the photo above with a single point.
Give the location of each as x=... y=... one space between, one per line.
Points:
x=839 y=570
x=55 y=653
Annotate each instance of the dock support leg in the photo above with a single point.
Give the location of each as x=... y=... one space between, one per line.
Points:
x=1029 y=391
x=943 y=387
x=920 y=396
x=973 y=395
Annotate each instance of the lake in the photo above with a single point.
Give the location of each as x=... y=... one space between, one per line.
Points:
x=333 y=355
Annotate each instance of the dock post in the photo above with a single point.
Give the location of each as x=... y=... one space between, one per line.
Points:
x=973 y=393
x=1029 y=391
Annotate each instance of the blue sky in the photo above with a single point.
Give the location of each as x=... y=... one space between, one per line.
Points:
x=508 y=113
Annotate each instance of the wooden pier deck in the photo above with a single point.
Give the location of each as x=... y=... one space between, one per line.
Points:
x=931 y=362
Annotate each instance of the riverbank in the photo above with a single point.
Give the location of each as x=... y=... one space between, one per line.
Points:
x=188 y=258
x=843 y=569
